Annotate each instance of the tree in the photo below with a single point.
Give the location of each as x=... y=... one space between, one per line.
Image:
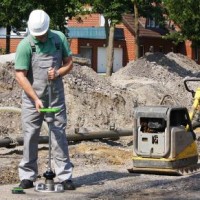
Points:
x=150 y=9
x=58 y=10
x=186 y=15
x=112 y=12
x=13 y=13
x=136 y=22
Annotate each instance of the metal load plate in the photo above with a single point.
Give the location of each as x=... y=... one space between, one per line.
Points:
x=49 y=188
x=174 y=172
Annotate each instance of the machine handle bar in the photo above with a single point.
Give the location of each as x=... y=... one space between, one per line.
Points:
x=191 y=80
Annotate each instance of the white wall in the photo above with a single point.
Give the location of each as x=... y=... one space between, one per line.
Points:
x=3 y=32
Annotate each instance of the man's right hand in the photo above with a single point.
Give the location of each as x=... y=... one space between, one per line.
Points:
x=38 y=105
x=21 y=77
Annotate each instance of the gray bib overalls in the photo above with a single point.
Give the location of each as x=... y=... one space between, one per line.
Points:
x=32 y=120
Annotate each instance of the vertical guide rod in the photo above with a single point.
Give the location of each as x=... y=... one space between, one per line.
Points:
x=49 y=123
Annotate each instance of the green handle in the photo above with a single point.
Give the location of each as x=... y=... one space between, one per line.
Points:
x=18 y=190
x=49 y=110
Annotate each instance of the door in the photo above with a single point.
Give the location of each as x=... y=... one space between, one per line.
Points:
x=117 y=64
x=101 y=59
x=86 y=52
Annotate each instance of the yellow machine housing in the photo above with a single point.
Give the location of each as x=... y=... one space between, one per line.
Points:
x=164 y=141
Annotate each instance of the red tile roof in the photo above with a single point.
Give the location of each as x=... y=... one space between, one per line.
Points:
x=128 y=20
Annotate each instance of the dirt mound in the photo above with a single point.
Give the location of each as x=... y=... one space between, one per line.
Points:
x=94 y=103
x=159 y=67
x=155 y=75
x=97 y=102
x=10 y=92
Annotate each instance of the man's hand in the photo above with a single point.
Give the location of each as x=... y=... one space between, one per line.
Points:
x=38 y=104
x=52 y=73
x=62 y=71
x=27 y=87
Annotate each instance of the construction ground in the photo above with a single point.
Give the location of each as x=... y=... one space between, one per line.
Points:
x=97 y=103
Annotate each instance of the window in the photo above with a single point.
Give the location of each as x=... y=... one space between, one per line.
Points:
x=86 y=52
x=151 y=49
x=141 y=51
x=161 y=49
x=151 y=23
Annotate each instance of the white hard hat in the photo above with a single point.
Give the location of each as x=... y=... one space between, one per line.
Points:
x=38 y=22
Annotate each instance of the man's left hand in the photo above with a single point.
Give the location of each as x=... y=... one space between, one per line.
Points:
x=52 y=73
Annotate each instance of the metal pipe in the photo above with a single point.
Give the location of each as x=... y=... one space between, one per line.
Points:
x=112 y=134
x=100 y=135
x=9 y=142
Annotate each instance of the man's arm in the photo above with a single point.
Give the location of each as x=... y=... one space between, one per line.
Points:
x=63 y=70
x=67 y=66
x=26 y=86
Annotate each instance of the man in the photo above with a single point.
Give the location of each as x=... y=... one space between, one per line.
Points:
x=43 y=56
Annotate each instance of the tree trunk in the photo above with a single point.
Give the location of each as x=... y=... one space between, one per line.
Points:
x=107 y=29
x=136 y=21
x=110 y=51
x=8 y=30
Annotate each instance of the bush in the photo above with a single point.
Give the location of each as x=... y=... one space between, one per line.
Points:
x=2 y=51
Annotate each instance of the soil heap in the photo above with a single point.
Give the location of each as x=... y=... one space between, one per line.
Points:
x=96 y=102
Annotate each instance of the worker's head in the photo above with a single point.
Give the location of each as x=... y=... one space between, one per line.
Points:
x=38 y=23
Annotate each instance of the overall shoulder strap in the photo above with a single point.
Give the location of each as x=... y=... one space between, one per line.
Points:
x=33 y=48
x=56 y=41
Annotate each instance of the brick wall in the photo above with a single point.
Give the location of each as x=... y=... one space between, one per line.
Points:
x=86 y=21
x=146 y=42
x=188 y=49
x=74 y=45
x=129 y=50
x=13 y=44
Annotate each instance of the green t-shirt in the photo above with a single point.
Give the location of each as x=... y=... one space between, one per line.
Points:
x=24 y=51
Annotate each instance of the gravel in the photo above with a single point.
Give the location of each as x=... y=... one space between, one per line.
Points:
x=96 y=103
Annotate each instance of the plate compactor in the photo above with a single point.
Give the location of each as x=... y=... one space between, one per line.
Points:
x=164 y=141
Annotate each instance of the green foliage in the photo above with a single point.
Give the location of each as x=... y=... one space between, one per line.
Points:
x=151 y=9
x=176 y=37
x=15 y=12
x=111 y=10
x=12 y=12
x=75 y=7
x=186 y=14
x=59 y=9
x=2 y=51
